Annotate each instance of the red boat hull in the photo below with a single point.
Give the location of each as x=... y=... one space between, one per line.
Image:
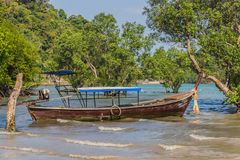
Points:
x=171 y=106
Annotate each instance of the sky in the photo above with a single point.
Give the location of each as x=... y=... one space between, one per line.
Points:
x=122 y=10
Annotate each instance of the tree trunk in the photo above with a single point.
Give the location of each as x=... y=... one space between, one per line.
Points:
x=198 y=70
x=195 y=64
x=219 y=84
x=10 y=124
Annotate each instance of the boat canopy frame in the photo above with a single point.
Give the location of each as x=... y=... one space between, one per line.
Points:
x=83 y=94
x=111 y=92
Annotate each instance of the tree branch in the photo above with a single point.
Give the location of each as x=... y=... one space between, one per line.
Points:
x=198 y=70
x=218 y=84
x=93 y=68
x=192 y=58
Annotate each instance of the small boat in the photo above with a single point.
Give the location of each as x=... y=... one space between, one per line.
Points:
x=174 y=105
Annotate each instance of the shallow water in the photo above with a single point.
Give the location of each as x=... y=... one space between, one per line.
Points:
x=213 y=134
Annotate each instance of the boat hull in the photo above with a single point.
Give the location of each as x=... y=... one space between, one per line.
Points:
x=159 y=108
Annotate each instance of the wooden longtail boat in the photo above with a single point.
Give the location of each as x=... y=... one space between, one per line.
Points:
x=174 y=105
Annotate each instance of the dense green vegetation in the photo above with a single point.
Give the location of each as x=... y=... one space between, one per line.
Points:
x=17 y=56
x=172 y=67
x=210 y=31
x=101 y=52
x=104 y=53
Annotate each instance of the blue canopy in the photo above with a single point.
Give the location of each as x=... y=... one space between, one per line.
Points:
x=109 y=89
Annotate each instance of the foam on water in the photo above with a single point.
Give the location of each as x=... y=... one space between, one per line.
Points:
x=195 y=122
x=91 y=157
x=101 y=128
x=18 y=133
x=32 y=135
x=143 y=120
x=67 y=121
x=232 y=141
x=33 y=150
x=99 y=144
x=74 y=122
x=202 y=138
x=9 y=133
x=63 y=121
x=170 y=147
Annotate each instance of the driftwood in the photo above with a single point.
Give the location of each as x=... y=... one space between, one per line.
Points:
x=10 y=125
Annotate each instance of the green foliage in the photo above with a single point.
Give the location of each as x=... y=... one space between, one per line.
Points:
x=62 y=14
x=99 y=50
x=219 y=41
x=39 y=22
x=213 y=28
x=175 y=19
x=172 y=66
x=234 y=96
x=96 y=50
x=16 y=55
x=134 y=40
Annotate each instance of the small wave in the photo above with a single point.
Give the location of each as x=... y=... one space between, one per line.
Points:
x=91 y=157
x=9 y=133
x=74 y=122
x=68 y=121
x=32 y=135
x=142 y=120
x=63 y=121
x=18 y=133
x=100 y=144
x=110 y=128
x=33 y=150
x=202 y=138
x=23 y=149
x=224 y=139
x=170 y=147
x=196 y=122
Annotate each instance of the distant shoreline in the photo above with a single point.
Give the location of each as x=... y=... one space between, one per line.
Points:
x=64 y=82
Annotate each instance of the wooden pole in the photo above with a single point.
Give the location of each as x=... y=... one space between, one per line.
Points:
x=10 y=124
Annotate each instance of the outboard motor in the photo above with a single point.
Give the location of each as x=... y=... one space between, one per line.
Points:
x=44 y=94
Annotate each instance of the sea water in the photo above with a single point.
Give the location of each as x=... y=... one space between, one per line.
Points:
x=212 y=134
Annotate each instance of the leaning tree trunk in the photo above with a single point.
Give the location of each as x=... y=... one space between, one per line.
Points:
x=198 y=70
x=10 y=125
